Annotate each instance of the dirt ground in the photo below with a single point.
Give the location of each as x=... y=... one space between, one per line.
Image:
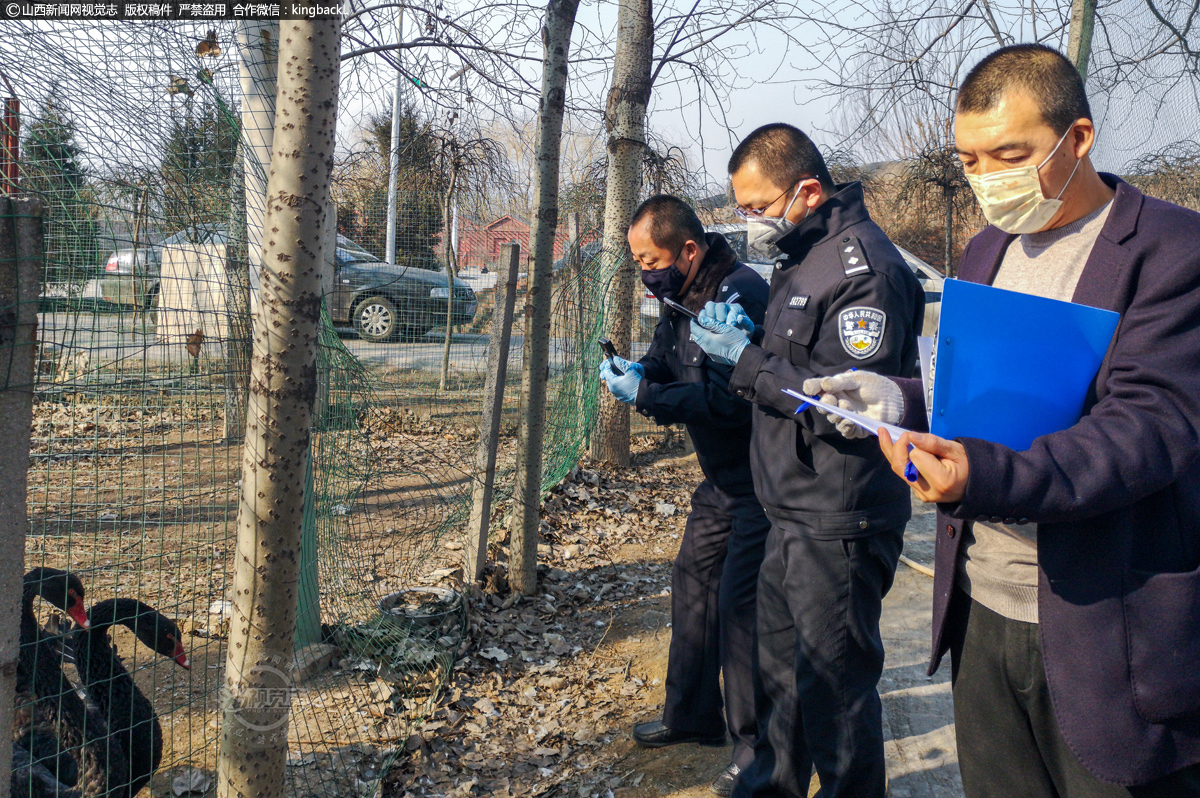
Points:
x=543 y=703
x=546 y=688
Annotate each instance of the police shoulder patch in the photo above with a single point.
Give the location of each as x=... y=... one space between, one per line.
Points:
x=853 y=260
x=861 y=331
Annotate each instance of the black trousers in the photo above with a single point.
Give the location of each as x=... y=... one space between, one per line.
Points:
x=821 y=654
x=1009 y=743
x=713 y=599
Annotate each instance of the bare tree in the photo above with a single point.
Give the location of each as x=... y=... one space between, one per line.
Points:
x=466 y=164
x=625 y=121
x=556 y=35
x=696 y=48
x=1172 y=173
x=283 y=386
x=897 y=66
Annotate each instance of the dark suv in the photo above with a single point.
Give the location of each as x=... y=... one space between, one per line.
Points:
x=382 y=301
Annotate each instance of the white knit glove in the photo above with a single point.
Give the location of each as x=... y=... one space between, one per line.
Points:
x=861 y=392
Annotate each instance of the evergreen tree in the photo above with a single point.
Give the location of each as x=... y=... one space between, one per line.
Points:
x=197 y=164
x=418 y=198
x=52 y=168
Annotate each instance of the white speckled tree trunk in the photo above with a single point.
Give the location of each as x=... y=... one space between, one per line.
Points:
x=256 y=696
x=625 y=120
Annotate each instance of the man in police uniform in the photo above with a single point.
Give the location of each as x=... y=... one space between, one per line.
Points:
x=841 y=297
x=714 y=582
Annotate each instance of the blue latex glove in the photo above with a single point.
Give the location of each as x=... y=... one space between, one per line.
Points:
x=732 y=314
x=623 y=386
x=719 y=339
x=626 y=365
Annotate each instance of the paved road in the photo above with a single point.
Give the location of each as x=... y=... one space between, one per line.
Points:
x=110 y=339
x=922 y=760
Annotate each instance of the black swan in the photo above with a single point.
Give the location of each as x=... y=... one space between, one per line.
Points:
x=131 y=720
x=47 y=704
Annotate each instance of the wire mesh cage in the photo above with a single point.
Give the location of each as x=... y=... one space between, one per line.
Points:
x=133 y=139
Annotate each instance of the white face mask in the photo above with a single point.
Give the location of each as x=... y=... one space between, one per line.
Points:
x=1012 y=199
x=763 y=232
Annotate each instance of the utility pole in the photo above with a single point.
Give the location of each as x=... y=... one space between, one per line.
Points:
x=394 y=154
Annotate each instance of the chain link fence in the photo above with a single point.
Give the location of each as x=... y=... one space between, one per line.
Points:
x=132 y=138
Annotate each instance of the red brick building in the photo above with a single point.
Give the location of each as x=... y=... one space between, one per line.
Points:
x=479 y=244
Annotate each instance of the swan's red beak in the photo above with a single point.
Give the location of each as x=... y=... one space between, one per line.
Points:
x=180 y=657
x=77 y=613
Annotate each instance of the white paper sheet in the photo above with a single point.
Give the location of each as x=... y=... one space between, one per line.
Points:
x=869 y=424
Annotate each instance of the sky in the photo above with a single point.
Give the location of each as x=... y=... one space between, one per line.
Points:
x=115 y=78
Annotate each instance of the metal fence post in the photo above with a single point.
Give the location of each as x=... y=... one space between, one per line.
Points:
x=493 y=411
x=20 y=277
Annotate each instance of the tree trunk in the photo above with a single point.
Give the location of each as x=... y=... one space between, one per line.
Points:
x=21 y=259
x=256 y=696
x=1079 y=40
x=522 y=560
x=451 y=273
x=948 y=253
x=624 y=119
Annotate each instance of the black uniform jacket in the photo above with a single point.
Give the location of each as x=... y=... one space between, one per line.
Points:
x=844 y=298
x=683 y=385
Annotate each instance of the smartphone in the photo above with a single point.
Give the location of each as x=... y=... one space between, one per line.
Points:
x=610 y=352
x=673 y=305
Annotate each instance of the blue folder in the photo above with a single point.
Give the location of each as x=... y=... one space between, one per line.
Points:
x=1012 y=367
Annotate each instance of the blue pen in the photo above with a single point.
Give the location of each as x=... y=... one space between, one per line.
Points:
x=910 y=470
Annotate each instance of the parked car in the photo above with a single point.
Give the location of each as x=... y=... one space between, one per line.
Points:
x=931 y=281
x=929 y=278
x=586 y=253
x=382 y=301
x=131 y=276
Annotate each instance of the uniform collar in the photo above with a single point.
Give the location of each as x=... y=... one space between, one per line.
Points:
x=719 y=262
x=842 y=210
x=719 y=252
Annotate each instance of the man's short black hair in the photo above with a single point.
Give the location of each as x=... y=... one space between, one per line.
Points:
x=673 y=223
x=1044 y=73
x=784 y=153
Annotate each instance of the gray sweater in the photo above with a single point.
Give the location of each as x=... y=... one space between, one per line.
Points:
x=998 y=562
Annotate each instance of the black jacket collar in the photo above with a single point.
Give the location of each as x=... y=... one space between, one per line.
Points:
x=844 y=209
x=718 y=263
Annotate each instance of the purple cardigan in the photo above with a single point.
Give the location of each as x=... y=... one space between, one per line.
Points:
x=1116 y=499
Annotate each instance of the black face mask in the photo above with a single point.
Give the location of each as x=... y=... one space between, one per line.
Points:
x=665 y=283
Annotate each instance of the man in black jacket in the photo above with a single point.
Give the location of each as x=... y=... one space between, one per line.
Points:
x=841 y=297
x=714 y=581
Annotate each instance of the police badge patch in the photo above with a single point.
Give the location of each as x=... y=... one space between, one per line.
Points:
x=861 y=331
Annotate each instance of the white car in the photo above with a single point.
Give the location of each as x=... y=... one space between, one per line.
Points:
x=931 y=281
x=929 y=277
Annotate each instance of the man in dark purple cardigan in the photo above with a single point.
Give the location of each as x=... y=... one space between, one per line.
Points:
x=1067 y=584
